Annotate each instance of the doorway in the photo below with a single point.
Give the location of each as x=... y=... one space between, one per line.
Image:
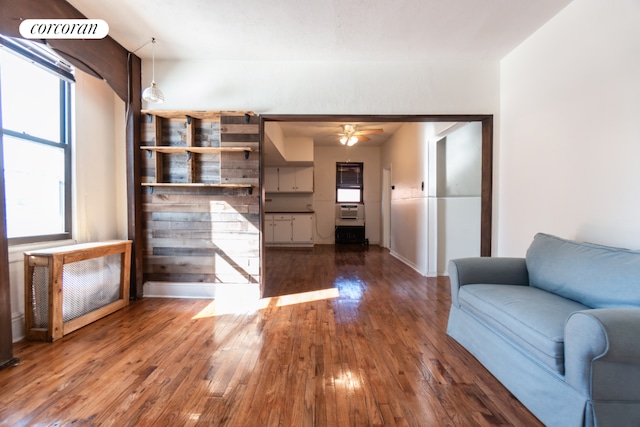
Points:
x=386 y=182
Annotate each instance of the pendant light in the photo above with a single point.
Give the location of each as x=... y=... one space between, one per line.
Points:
x=152 y=93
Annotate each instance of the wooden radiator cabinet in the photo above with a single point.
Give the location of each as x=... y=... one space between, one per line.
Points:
x=54 y=260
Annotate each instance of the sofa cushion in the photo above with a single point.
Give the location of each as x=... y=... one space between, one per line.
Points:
x=534 y=319
x=596 y=276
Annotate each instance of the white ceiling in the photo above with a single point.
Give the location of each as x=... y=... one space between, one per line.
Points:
x=323 y=30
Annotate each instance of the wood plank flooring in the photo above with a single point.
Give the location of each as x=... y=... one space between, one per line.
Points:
x=347 y=336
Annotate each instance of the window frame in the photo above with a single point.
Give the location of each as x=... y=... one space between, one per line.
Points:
x=360 y=187
x=39 y=57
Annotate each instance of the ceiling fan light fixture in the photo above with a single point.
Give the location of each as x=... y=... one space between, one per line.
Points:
x=352 y=140
x=343 y=140
x=152 y=94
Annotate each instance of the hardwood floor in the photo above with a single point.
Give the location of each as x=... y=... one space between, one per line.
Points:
x=346 y=337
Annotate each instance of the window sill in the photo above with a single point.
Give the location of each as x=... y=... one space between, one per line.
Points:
x=16 y=252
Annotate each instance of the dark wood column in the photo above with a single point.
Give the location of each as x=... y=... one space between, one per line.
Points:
x=134 y=188
x=486 y=204
x=6 y=338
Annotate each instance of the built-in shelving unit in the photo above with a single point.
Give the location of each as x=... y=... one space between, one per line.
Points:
x=193 y=159
x=201 y=219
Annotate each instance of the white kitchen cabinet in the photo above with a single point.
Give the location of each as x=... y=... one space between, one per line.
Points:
x=289 y=179
x=288 y=229
x=268 y=229
x=302 y=228
x=277 y=228
x=282 y=228
x=304 y=179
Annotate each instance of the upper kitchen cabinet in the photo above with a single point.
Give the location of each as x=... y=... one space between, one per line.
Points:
x=289 y=179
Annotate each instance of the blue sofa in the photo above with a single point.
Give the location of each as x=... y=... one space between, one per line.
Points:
x=559 y=328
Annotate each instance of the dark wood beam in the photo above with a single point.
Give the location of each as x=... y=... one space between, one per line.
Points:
x=104 y=58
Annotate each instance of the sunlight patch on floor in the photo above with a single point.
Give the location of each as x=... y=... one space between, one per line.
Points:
x=232 y=299
x=239 y=302
x=302 y=297
x=348 y=380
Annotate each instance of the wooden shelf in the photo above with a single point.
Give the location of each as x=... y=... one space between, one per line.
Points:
x=196 y=185
x=199 y=150
x=196 y=114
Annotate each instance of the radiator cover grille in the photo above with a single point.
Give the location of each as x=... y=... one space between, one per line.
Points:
x=86 y=286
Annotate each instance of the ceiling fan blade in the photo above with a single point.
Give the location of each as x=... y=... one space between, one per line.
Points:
x=362 y=138
x=368 y=131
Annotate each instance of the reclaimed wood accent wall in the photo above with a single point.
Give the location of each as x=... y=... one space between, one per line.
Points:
x=201 y=206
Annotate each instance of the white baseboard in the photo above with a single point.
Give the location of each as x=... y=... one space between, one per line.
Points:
x=179 y=290
x=248 y=291
x=406 y=261
x=17 y=327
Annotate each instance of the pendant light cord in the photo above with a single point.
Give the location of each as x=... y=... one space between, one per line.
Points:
x=153 y=59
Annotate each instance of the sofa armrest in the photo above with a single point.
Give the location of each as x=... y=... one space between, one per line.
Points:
x=495 y=271
x=602 y=353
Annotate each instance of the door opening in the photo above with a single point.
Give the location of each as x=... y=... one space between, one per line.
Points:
x=384 y=185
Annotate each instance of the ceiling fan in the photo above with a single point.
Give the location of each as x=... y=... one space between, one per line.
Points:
x=350 y=135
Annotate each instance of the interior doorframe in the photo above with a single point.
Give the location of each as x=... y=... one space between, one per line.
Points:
x=386 y=206
x=486 y=197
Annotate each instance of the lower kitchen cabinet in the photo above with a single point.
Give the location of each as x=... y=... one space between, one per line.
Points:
x=288 y=229
x=302 y=228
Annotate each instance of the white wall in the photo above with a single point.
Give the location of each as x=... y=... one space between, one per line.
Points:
x=407 y=155
x=570 y=130
x=324 y=196
x=429 y=228
x=460 y=163
x=99 y=181
x=306 y=87
x=100 y=160
x=454 y=210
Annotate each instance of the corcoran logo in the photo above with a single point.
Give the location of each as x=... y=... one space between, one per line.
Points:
x=64 y=29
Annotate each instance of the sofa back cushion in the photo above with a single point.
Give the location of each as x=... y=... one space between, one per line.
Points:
x=594 y=275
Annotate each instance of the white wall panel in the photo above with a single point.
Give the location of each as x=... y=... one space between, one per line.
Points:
x=569 y=151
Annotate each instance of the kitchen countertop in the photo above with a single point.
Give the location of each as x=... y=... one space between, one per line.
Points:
x=289 y=212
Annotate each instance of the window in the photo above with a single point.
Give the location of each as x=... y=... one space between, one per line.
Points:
x=349 y=182
x=35 y=89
